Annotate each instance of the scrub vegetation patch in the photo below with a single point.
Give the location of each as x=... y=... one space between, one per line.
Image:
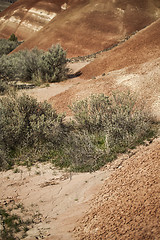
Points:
x=102 y=127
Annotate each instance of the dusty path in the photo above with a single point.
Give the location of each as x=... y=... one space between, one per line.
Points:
x=60 y=198
x=44 y=93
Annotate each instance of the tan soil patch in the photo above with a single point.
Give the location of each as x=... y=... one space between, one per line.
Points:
x=126 y=206
x=59 y=197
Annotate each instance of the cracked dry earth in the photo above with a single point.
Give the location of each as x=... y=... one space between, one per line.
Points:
x=128 y=204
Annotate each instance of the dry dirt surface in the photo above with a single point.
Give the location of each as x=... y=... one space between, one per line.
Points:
x=88 y=26
x=120 y=201
x=134 y=65
x=24 y=18
x=140 y=48
x=80 y=206
x=52 y=198
x=142 y=80
x=127 y=206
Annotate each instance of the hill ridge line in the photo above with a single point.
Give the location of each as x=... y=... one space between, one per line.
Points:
x=94 y=55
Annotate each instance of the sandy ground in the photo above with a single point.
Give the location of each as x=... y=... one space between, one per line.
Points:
x=60 y=198
x=44 y=93
x=120 y=201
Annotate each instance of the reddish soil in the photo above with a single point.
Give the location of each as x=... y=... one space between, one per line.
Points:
x=128 y=206
x=22 y=19
x=89 y=26
x=133 y=65
x=142 y=47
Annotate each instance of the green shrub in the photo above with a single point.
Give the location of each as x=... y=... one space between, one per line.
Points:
x=28 y=64
x=9 y=68
x=83 y=151
x=53 y=65
x=7 y=46
x=4 y=87
x=4 y=159
x=103 y=127
x=92 y=113
x=34 y=65
x=117 y=117
x=13 y=38
x=25 y=123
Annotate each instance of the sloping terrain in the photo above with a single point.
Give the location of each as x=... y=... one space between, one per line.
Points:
x=4 y=5
x=58 y=197
x=143 y=47
x=127 y=207
x=89 y=26
x=23 y=18
x=133 y=65
x=118 y=202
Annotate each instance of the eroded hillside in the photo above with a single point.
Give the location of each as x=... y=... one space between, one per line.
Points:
x=81 y=27
x=23 y=18
x=127 y=207
x=121 y=200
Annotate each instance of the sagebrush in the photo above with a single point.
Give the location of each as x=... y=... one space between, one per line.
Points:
x=8 y=45
x=34 y=65
x=102 y=127
x=25 y=124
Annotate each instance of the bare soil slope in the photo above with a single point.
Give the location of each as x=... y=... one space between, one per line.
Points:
x=142 y=47
x=134 y=65
x=23 y=18
x=89 y=26
x=127 y=207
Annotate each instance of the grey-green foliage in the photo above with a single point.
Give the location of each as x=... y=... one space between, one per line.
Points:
x=4 y=87
x=92 y=113
x=8 y=68
x=116 y=117
x=28 y=64
x=103 y=127
x=82 y=150
x=26 y=123
x=7 y=46
x=53 y=64
x=35 y=65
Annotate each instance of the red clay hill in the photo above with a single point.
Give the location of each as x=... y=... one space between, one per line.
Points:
x=23 y=18
x=143 y=47
x=80 y=26
x=133 y=65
